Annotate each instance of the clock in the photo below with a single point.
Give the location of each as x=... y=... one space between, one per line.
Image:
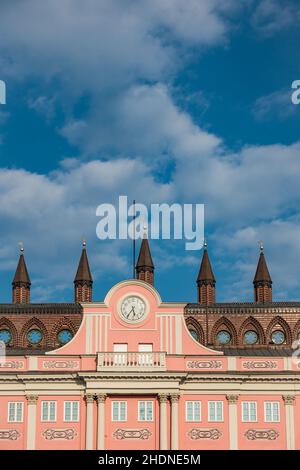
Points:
x=133 y=309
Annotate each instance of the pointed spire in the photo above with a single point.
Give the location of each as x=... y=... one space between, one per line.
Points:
x=83 y=280
x=206 y=280
x=145 y=266
x=21 y=281
x=262 y=280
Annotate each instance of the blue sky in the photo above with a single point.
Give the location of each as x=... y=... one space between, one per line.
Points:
x=163 y=101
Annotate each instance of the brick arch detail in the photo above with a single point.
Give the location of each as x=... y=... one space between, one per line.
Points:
x=296 y=330
x=193 y=323
x=30 y=324
x=228 y=325
x=284 y=325
x=255 y=324
x=63 y=323
x=5 y=323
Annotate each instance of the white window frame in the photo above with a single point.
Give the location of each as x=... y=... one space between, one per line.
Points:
x=72 y=420
x=208 y=413
x=193 y=420
x=152 y=411
x=15 y=420
x=272 y=411
x=249 y=420
x=119 y=414
x=48 y=420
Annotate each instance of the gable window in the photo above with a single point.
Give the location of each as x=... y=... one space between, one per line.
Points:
x=119 y=410
x=193 y=411
x=48 y=410
x=249 y=411
x=15 y=411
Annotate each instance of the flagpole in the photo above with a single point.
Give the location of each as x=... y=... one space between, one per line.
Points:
x=133 y=242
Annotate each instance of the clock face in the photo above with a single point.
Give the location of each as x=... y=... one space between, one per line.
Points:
x=133 y=309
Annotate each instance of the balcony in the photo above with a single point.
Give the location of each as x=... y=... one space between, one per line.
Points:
x=131 y=361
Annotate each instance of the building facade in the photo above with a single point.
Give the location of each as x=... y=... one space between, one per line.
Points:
x=134 y=372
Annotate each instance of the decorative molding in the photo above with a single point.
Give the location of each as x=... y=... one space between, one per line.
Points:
x=232 y=399
x=9 y=434
x=101 y=397
x=132 y=434
x=89 y=398
x=264 y=434
x=61 y=364
x=260 y=365
x=32 y=399
x=203 y=433
x=163 y=397
x=288 y=399
x=12 y=365
x=204 y=364
x=67 y=434
x=174 y=397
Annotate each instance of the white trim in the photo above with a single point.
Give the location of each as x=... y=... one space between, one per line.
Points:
x=152 y=412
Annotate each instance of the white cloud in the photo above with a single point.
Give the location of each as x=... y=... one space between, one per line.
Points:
x=276 y=104
x=272 y=16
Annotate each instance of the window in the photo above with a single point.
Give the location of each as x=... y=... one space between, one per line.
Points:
x=120 y=359
x=194 y=334
x=249 y=411
x=145 y=410
x=272 y=412
x=64 y=336
x=250 y=337
x=215 y=411
x=15 y=412
x=193 y=410
x=34 y=336
x=48 y=410
x=5 y=336
x=278 y=337
x=223 y=337
x=71 y=411
x=146 y=358
x=119 y=411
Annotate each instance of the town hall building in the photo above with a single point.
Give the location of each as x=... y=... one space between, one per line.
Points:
x=131 y=371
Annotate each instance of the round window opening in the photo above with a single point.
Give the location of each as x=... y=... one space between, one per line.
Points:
x=34 y=336
x=223 y=337
x=194 y=334
x=5 y=336
x=278 y=337
x=64 y=336
x=250 y=337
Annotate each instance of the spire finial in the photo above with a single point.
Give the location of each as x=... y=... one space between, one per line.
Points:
x=145 y=228
x=21 y=245
x=205 y=244
x=83 y=242
x=261 y=246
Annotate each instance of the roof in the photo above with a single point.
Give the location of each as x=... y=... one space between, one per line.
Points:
x=51 y=308
x=262 y=272
x=145 y=258
x=21 y=274
x=266 y=352
x=83 y=270
x=240 y=307
x=205 y=271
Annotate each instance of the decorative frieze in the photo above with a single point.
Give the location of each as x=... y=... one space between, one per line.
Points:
x=32 y=399
x=9 y=434
x=260 y=365
x=67 y=434
x=61 y=364
x=12 y=365
x=232 y=399
x=204 y=364
x=261 y=434
x=203 y=433
x=132 y=434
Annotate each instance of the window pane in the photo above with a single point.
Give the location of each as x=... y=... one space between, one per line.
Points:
x=142 y=410
x=123 y=411
x=67 y=411
x=115 y=411
x=45 y=411
x=245 y=412
x=149 y=411
x=11 y=413
x=75 y=411
x=219 y=411
x=252 y=411
x=52 y=410
x=189 y=411
x=275 y=412
x=212 y=411
x=19 y=411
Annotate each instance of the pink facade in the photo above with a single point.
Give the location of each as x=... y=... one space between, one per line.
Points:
x=134 y=378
